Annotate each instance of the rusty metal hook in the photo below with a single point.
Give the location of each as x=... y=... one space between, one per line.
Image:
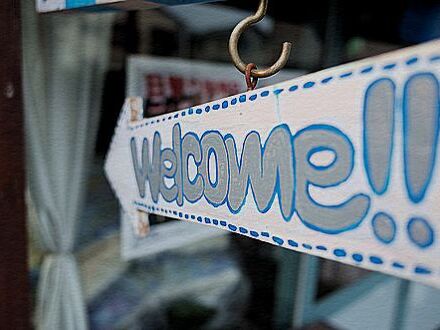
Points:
x=233 y=46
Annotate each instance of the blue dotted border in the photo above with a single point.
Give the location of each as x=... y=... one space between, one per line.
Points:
x=235 y=100
x=340 y=253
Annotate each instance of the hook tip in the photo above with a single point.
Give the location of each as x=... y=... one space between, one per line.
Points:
x=287 y=45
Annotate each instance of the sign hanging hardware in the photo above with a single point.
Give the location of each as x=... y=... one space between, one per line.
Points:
x=141 y=226
x=251 y=82
x=235 y=56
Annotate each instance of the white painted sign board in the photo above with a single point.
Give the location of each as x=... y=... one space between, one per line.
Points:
x=341 y=164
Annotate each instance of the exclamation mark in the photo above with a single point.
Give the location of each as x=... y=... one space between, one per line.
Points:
x=421 y=114
x=379 y=109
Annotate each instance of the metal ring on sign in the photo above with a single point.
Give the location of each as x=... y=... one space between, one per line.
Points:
x=251 y=82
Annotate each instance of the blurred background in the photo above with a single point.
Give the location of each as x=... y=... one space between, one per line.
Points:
x=176 y=57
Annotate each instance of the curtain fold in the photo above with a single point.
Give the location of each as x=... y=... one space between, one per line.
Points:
x=64 y=61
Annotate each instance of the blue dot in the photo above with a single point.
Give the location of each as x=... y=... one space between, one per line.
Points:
x=223 y=223
x=176 y=115
x=186 y=216
x=357 y=257
x=346 y=75
x=309 y=84
x=175 y=212
x=216 y=106
x=293 y=88
x=321 y=247
x=326 y=80
x=422 y=270
x=199 y=111
x=376 y=260
x=367 y=69
x=183 y=113
x=253 y=97
x=307 y=246
x=278 y=91
x=224 y=104
x=169 y=118
x=339 y=253
x=265 y=93
x=278 y=240
x=384 y=227
x=243 y=230
x=398 y=265
x=412 y=60
x=265 y=234
x=190 y=111
x=199 y=219
x=254 y=233
x=193 y=217
x=215 y=221
x=389 y=66
x=242 y=98
x=180 y=214
x=292 y=243
x=420 y=232
x=234 y=101
x=207 y=108
x=434 y=58
x=207 y=220
x=232 y=227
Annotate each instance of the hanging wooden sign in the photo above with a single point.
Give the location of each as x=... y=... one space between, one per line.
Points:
x=167 y=84
x=57 y=5
x=341 y=164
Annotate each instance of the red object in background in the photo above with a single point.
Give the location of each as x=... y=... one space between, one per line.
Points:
x=168 y=93
x=156 y=96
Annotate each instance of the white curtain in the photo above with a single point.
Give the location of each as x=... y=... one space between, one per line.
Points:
x=64 y=57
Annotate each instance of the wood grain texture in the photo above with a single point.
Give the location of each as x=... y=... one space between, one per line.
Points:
x=14 y=286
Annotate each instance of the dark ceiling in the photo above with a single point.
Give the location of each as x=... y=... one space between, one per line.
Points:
x=403 y=21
